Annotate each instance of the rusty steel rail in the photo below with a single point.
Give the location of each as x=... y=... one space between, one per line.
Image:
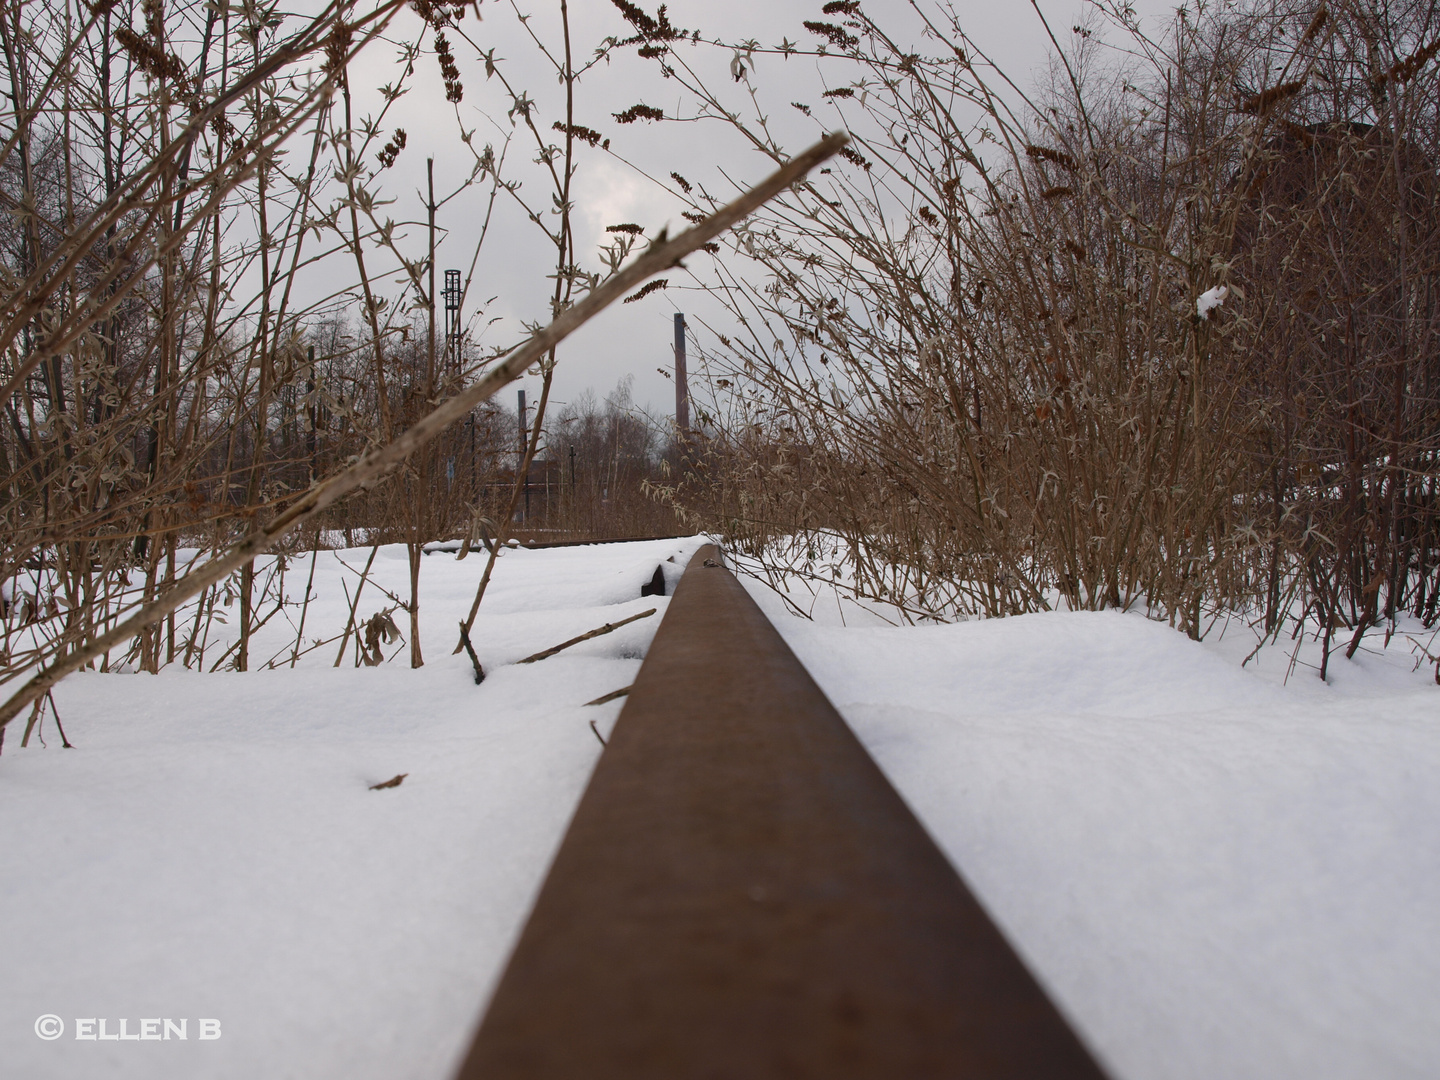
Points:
x=743 y=895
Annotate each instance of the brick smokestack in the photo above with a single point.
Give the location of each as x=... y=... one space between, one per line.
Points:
x=682 y=388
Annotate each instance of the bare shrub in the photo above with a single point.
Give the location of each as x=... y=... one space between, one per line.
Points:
x=1163 y=331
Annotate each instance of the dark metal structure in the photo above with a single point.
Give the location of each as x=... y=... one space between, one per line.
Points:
x=452 y=318
x=742 y=894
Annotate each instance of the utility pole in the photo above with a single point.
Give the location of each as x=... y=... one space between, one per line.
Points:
x=682 y=388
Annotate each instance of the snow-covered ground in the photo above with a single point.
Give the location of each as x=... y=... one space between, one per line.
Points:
x=1215 y=871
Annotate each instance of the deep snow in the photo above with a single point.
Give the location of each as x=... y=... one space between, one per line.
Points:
x=1216 y=872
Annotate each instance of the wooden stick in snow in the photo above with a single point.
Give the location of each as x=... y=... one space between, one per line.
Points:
x=603 y=698
x=585 y=637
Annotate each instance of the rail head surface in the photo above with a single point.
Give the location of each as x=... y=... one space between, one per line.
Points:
x=742 y=894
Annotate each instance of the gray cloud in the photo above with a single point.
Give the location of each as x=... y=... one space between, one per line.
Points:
x=630 y=339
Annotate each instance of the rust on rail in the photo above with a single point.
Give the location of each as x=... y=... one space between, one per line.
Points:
x=742 y=894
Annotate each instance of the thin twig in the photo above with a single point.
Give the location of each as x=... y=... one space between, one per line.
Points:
x=603 y=698
x=305 y=607
x=64 y=742
x=597 y=632
x=354 y=603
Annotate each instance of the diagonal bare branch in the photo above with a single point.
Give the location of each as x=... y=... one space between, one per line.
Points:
x=660 y=256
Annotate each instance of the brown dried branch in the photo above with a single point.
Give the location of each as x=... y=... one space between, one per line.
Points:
x=597 y=632
x=661 y=255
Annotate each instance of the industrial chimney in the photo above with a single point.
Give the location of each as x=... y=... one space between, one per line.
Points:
x=682 y=389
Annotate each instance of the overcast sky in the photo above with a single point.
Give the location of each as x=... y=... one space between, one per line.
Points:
x=632 y=339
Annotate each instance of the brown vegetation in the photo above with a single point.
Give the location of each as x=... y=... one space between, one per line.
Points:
x=171 y=407
x=982 y=360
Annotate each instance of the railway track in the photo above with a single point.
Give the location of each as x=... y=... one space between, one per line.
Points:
x=742 y=894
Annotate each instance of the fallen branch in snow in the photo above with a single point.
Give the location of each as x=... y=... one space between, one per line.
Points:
x=603 y=698
x=585 y=637
x=661 y=255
